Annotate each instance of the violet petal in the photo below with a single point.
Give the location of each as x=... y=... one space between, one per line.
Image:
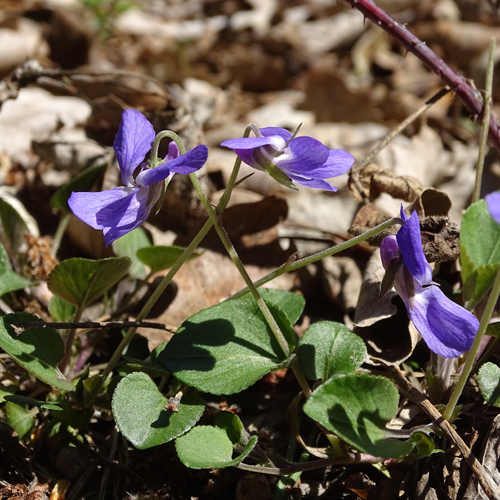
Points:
x=86 y=205
x=185 y=164
x=247 y=142
x=410 y=243
x=282 y=132
x=389 y=249
x=312 y=183
x=133 y=140
x=305 y=155
x=447 y=328
x=124 y=211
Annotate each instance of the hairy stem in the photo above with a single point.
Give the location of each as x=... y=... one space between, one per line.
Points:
x=239 y=265
x=311 y=259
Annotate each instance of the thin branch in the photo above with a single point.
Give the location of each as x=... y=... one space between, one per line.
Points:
x=93 y=325
x=470 y=97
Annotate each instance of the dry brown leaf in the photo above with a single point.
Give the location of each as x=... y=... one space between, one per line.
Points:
x=342 y=281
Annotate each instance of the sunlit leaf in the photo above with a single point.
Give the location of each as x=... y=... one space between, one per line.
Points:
x=488 y=380
x=140 y=413
x=206 y=447
x=328 y=348
x=225 y=348
x=357 y=409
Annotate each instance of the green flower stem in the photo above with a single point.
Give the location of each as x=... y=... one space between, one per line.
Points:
x=471 y=355
x=476 y=194
x=153 y=157
x=239 y=265
x=292 y=266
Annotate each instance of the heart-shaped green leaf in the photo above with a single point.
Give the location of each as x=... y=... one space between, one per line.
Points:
x=480 y=252
x=225 y=348
x=357 y=409
x=488 y=380
x=11 y=281
x=328 y=348
x=128 y=246
x=140 y=413
x=159 y=257
x=60 y=310
x=37 y=350
x=20 y=418
x=205 y=447
x=81 y=281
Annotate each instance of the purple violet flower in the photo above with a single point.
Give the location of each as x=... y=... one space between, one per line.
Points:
x=287 y=158
x=493 y=202
x=119 y=210
x=447 y=328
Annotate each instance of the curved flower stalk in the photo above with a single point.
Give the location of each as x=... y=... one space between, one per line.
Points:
x=119 y=210
x=447 y=328
x=287 y=158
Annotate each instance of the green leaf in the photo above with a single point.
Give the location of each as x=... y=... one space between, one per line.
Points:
x=488 y=380
x=292 y=304
x=223 y=349
x=25 y=400
x=60 y=310
x=480 y=251
x=424 y=443
x=11 y=281
x=205 y=447
x=493 y=329
x=81 y=281
x=6 y=390
x=231 y=424
x=357 y=409
x=159 y=257
x=14 y=222
x=327 y=349
x=37 y=350
x=82 y=182
x=128 y=246
x=20 y=418
x=139 y=411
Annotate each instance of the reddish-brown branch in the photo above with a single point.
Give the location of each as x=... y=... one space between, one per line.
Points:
x=469 y=96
